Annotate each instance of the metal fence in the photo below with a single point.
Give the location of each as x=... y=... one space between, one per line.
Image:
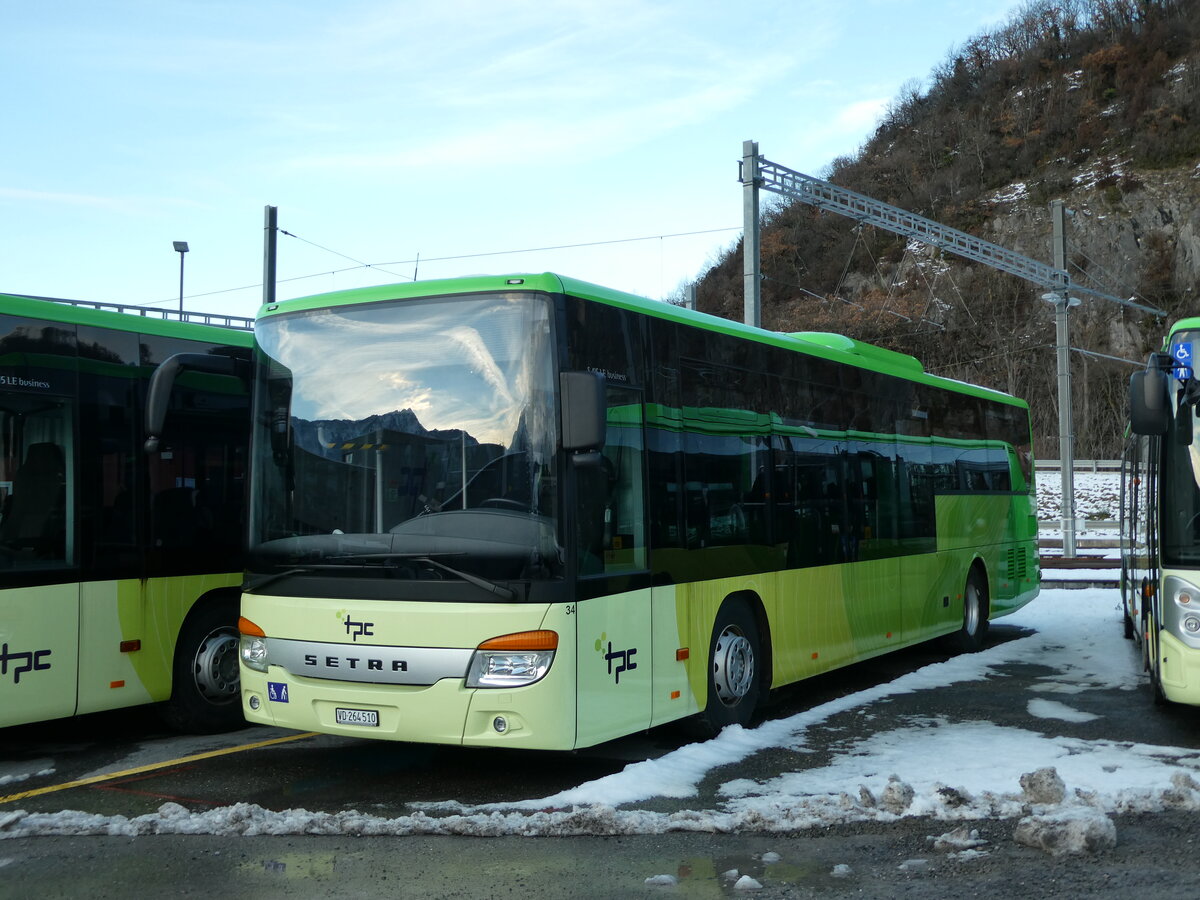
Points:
x=1081 y=465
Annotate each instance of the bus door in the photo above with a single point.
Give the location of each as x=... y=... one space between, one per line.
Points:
x=871 y=537
x=613 y=618
x=39 y=590
x=926 y=578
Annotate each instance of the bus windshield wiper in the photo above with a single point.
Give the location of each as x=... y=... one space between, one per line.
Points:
x=252 y=586
x=427 y=558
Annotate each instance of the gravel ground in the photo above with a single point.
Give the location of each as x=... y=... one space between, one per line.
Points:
x=1154 y=856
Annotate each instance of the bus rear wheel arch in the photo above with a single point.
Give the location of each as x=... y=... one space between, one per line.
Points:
x=737 y=665
x=205 y=684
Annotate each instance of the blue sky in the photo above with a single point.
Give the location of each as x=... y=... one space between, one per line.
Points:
x=454 y=131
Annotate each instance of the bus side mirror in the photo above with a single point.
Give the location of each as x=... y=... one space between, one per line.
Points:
x=162 y=382
x=1149 y=402
x=584 y=412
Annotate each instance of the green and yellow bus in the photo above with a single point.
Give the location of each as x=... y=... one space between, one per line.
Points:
x=528 y=511
x=119 y=568
x=1160 y=518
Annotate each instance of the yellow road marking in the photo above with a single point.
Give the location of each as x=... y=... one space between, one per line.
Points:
x=150 y=768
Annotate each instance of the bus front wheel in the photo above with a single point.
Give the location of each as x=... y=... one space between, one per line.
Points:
x=970 y=636
x=734 y=668
x=206 y=686
x=1151 y=658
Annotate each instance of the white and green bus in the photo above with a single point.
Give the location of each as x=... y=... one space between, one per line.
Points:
x=1160 y=518
x=119 y=568
x=528 y=511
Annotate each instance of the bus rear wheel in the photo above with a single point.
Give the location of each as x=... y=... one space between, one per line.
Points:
x=206 y=685
x=734 y=669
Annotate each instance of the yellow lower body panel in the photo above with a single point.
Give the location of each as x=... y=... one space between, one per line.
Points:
x=1180 y=670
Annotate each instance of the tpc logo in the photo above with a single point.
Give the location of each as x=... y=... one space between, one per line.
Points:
x=357 y=629
x=23 y=661
x=623 y=658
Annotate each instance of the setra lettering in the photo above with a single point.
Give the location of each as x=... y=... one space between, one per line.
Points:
x=355 y=662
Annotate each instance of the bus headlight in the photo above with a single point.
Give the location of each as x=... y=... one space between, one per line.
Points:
x=254 y=652
x=253 y=645
x=512 y=660
x=1181 y=615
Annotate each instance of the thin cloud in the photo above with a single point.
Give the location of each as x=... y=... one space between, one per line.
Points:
x=129 y=206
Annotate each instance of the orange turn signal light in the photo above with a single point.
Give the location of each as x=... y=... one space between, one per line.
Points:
x=245 y=626
x=523 y=640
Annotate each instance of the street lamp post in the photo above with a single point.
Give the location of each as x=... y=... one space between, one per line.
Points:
x=181 y=248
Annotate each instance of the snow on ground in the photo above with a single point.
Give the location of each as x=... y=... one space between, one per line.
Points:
x=1097 y=495
x=997 y=770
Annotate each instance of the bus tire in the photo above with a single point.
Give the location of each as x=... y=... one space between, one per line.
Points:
x=735 y=662
x=205 y=684
x=1153 y=663
x=971 y=634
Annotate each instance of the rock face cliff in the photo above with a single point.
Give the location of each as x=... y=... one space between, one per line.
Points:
x=1094 y=102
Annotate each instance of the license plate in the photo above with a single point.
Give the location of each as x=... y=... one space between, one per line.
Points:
x=356 y=716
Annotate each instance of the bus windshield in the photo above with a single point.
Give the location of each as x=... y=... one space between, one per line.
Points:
x=1181 y=497
x=408 y=439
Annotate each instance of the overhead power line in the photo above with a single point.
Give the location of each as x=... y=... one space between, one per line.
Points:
x=428 y=259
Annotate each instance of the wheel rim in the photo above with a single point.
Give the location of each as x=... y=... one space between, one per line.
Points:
x=971 y=613
x=216 y=666
x=733 y=666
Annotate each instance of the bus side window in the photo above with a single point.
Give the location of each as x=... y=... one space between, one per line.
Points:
x=35 y=519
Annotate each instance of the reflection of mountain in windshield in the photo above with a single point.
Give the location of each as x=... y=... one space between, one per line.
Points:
x=378 y=494
x=368 y=477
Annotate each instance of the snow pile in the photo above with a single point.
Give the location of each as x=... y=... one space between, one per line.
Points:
x=1063 y=785
x=956 y=841
x=1072 y=832
x=22 y=776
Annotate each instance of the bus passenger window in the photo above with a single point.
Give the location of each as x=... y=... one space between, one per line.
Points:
x=34 y=525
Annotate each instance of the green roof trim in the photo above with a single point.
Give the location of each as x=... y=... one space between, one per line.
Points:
x=902 y=362
x=67 y=314
x=836 y=348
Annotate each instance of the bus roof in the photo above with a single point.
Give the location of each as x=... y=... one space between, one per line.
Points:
x=1192 y=324
x=834 y=347
x=66 y=312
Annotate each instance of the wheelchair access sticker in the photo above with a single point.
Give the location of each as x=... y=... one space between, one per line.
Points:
x=277 y=692
x=1184 y=357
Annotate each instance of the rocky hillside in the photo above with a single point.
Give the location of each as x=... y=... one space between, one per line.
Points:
x=1096 y=102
